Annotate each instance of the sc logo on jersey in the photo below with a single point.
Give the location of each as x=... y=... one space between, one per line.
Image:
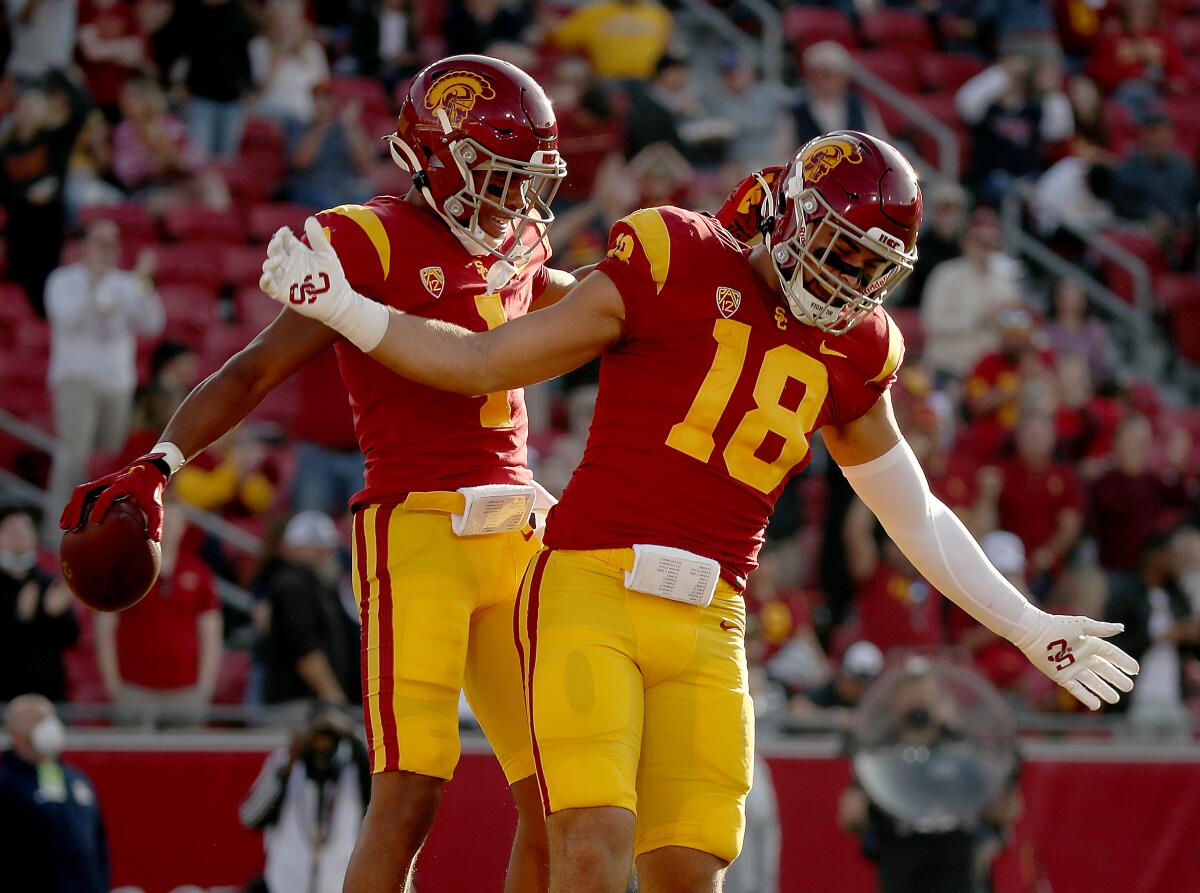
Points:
x=306 y=292
x=728 y=301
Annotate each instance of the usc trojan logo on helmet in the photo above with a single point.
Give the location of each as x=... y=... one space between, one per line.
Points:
x=457 y=92
x=826 y=155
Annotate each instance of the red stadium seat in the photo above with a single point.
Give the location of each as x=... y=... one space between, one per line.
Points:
x=263 y=169
x=946 y=72
x=262 y=133
x=133 y=219
x=1185 y=327
x=267 y=217
x=892 y=65
x=896 y=28
x=194 y=262
x=242 y=264
x=190 y=308
x=255 y=310
x=14 y=305
x=806 y=25
x=367 y=91
x=199 y=223
x=1172 y=290
x=1116 y=277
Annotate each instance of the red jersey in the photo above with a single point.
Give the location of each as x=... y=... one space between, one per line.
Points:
x=415 y=437
x=707 y=401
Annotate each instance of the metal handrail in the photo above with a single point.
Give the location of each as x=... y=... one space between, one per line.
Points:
x=947 y=142
x=1136 y=320
x=772 y=39
x=716 y=20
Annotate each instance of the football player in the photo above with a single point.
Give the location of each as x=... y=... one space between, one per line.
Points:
x=719 y=361
x=441 y=532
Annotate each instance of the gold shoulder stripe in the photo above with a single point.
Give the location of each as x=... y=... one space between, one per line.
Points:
x=652 y=232
x=895 y=349
x=370 y=223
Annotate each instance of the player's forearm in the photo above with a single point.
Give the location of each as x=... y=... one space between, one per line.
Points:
x=435 y=353
x=214 y=407
x=936 y=542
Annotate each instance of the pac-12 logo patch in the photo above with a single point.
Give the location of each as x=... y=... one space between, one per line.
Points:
x=434 y=280
x=728 y=301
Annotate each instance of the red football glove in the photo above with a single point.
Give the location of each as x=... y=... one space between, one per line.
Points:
x=141 y=482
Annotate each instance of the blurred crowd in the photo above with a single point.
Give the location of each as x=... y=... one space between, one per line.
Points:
x=149 y=148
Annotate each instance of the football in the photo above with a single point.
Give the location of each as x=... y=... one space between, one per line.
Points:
x=110 y=566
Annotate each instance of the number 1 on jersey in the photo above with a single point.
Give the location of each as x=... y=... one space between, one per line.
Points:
x=694 y=435
x=495 y=412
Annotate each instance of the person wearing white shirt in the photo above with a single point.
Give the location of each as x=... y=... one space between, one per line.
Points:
x=287 y=64
x=95 y=312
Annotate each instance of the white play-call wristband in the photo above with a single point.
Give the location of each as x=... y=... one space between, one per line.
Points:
x=172 y=455
x=364 y=324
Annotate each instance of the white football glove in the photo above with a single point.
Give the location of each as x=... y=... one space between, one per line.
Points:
x=311 y=281
x=1069 y=651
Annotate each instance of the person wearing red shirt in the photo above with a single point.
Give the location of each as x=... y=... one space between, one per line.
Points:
x=159 y=659
x=1136 y=54
x=1038 y=499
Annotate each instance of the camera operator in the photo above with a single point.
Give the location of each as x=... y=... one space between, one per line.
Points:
x=309 y=800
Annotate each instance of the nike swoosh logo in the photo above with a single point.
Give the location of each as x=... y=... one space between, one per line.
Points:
x=829 y=351
x=730 y=627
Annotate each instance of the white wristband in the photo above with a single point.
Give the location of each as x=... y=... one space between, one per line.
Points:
x=172 y=455
x=363 y=322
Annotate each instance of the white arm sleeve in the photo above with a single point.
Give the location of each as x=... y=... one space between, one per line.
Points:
x=936 y=542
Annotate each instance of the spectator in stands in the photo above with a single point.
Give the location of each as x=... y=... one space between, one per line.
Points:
x=658 y=108
x=835 y=701
x=1076 y=192
x=1132 y=499
x=1136 y=58
x=210 y=38
x=1091 y=129
x=472 y=26
x=35 y=148
x=159 y=659
x=383 y=40
x=1186 y=547
x=827 y=101
x=961 y=297
x=590 y=131
x=155 y=159
x=762 y=134
x=1071 y=330
x=580 y=234
x=287 y=63
x=894 y=606
x=43 y=37
x=54 y=839
x=96 y=311
x=1161 y=631
x=1086 y=419
x=306 y=655
x=940 y=239
x=174 y=370
x=37 y=622
x=309 y=800
x=1013 y=108
x=623 y=39
x=231 y=478
x=330 y=156
x=111 y=50
x=1156 y=185
x=329 y=466
x=1039 y=499
x=1007 y=380
x=89 y=171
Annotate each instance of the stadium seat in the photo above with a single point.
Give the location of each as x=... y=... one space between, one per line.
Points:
x=242 y=264
x=1116 y=277
x=193 y=262
x=367 y=91
x=254 y=309
x=946 y=72
x=14 y=305
x=264 y=169
x=806 y=25
x=1185 y=327
x=266 y=217
x=892 y=65
x=133 y=219
x=190 y=308
x=197 y=222
x=1172 y=290
x=262 y=133
x=896 y=28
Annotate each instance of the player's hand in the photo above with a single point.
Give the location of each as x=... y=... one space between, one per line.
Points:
x=1072 y=652
x=141 y=482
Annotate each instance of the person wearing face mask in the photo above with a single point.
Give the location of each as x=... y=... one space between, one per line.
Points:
x=52 y=837
x=309 y=800
x=305 y=652
x=36 y=620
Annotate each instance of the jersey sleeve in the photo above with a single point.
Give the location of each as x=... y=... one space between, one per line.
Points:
x=875 y=360
x=638 y=261
x=742 y=212
x=362 y=243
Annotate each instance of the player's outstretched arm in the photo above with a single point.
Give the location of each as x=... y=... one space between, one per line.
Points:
x=885 y=474
x=521 y=352
x=215 y=406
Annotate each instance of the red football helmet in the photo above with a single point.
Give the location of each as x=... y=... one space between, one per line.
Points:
x=480 y=138
x=847 y=206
